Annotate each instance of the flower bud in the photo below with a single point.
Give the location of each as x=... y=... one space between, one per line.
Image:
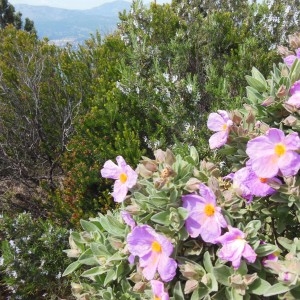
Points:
x=160 y=155
x=282 y=91
x=294 y=40
x=190 y=286
x=150 y=165
x=290 y=121
x=192 y=185
x=267 y=102
x=284 y=51
x=139 y=287
x=143 y=171
x=76 y=288
x=189 y=271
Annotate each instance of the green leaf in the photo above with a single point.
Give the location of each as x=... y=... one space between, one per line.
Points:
x=93 y=271
x=207 y=262
x=265 y=249
x=177 y=291
x=115 y=257
x=257 y=75
x=71 y=268
x=183 y=212
x=162 y=218
x=200 y=292
x=222 y=273
x=259 y=287
x=276 y=289
x=88 y=226
x=194 y=154
x=256 y=84
x=88 y=258
x=253 y=96
x=111 y=276
x=112 y=226
x=99 y=249
x=295 y=71
x=285 y=242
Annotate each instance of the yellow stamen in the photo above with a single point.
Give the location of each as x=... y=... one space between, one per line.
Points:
x=156 y=246
x=209 y=210
x=280 y=149
x=123 y=177
x=156 y=298
x=263 y=180
x=224 y=127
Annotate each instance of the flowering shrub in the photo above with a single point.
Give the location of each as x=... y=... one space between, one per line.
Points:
x=185 y=230
x=31 y=258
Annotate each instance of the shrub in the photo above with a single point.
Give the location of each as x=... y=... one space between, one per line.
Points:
x=190 y=231
x=32 y=258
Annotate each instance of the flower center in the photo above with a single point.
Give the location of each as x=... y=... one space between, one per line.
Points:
x=263 y=180
x=156 y=298
x=209 y=210
x=224 y=127
x=280 y=149
x=156 y=246
x=123 y=177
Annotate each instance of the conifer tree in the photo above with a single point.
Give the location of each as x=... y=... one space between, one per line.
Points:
x=8 y=15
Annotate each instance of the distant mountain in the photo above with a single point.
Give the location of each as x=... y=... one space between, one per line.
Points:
x=73 y=26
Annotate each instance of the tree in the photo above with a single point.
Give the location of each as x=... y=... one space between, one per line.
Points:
x=109 y=126
x=189 y=57
x=41 y=94
x=8 y=15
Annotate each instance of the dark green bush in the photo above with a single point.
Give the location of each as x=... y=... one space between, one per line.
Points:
x=32 y=258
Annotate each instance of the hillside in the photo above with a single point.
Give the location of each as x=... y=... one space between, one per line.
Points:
x=74 y=26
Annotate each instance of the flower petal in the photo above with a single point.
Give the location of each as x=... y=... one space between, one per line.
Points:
x=249 y=254
x=167 y=268
x=289 y=163
x=120 y=191
x=110 y=170
x=215 y=122
x=218 y=139
x=265 y=167
x=139 y=240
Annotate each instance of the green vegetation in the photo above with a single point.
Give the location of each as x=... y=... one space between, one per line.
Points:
x=8 y=16
x=149 y=85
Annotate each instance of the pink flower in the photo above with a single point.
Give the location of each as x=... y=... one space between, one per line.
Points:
x=124 y=175
x=158 y=290
x=205 y=218
x=234 y=247
x=154 y=251
x=290 y=59
x=274 y=154
x=127 y=218
x=270 y=257
x=294 y=100
x=220 y=123
x=247 y=184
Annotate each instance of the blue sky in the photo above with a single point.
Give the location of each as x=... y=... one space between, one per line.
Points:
x=70 y=4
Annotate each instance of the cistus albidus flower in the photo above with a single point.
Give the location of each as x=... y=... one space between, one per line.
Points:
x=235 y=247
x=274 y=154
x=124 y=175
x=205 y=217
x=154 y=252
x=158 y=290
x=247 y=184
x=290 y=59
x=127 y=218
x=294 y=100
x=220 y=123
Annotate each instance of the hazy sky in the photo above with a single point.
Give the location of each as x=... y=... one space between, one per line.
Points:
x=70 y=4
